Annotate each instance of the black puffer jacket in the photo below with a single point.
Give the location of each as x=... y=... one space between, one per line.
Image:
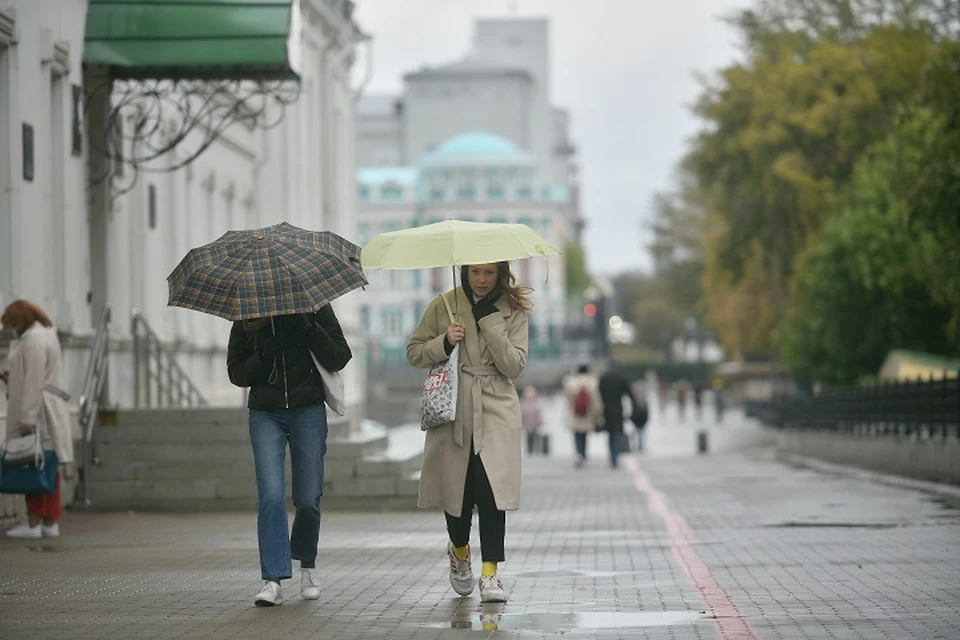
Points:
x=288 y=379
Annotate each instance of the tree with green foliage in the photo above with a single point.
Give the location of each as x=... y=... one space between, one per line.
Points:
x=786 y=131
x=858 y=293
x=575 y=268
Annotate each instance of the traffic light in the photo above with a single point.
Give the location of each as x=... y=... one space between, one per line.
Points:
x=599 y=315
x=600 y=319
x=590 y=310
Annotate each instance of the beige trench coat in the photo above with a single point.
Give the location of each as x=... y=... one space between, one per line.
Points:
x=34 y=364
x=488 y=409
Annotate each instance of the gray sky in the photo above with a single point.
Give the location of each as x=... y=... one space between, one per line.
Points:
x=623 y=68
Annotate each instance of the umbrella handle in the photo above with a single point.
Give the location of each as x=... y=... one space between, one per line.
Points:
x=456 y=296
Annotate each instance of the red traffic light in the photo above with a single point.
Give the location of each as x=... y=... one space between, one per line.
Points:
x=589 y=309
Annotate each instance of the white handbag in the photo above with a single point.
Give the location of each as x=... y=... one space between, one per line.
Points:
x=439 y=402
x=22 y=450
x=332 y=387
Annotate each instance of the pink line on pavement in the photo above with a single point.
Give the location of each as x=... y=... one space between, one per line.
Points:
x=730 y=622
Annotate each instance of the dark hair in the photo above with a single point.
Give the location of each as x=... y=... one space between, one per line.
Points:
x=517 y=294
x=583 y=369
x=21 y=314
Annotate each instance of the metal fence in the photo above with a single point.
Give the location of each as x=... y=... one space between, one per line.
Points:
x=930 y=408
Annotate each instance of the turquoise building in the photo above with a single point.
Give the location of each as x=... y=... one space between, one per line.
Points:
x=476 y=176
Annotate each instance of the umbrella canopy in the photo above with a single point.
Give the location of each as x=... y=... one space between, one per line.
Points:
x=274 y=271
x=454 y=242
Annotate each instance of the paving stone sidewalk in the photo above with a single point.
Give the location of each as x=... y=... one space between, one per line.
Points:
x=776 y=551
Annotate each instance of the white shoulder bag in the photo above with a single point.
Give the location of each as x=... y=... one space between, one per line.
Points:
x=439 y=403
x=332 y=387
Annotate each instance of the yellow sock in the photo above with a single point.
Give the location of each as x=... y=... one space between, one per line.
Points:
x=489 y=569
x=461 y=552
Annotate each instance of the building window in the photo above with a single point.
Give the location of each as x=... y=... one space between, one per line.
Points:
x=391 y=191
x=28 y=169
x=384 y=156
x=465 y=193
x=391 y=324
x=495 y=193
x=76 y=128
x=436 y=279
x=525 y=193
x=363 y=192
x=152 y=206
x=438 y=193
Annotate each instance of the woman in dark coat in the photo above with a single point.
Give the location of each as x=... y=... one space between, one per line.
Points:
x=613 y=388
x=272 y=356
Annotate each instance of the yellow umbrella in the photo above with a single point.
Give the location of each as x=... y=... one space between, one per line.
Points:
x=454 y=243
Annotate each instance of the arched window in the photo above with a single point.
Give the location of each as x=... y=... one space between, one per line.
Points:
x=391 y=191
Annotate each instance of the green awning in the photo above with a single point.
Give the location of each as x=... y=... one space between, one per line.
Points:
x=221 y=39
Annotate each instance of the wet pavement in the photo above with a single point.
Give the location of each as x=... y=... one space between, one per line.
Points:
x=731 y=545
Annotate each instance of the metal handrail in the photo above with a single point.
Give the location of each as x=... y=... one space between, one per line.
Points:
x=96 y=375
x=92 y=394
x=159 y=381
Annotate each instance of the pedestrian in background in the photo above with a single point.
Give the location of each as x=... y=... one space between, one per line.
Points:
x=531 y=416
x=718 y=404
x=272 y=356
x=36 y=401
x=613 y=388
x=698 y=399
x=584 y=409
x=639 y=413
x=681 y=391
x=475 y=460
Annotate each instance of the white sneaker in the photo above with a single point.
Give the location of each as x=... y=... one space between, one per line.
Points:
x=24 y=530
x=461 y=573
x=53 y=531
x=271 y=595
x=309 y=589
x=491 y=589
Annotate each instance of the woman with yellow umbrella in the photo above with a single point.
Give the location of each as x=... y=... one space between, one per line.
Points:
x=473 y=461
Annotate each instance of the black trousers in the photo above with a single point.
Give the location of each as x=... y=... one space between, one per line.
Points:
x=493 y=522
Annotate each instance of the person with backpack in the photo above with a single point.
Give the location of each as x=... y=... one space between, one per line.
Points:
x=584 y=408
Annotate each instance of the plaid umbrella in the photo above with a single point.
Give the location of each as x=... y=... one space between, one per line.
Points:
x=274 y=271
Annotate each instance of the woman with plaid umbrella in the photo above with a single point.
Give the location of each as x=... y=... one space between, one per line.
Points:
x=275 y=284
x=272 y=357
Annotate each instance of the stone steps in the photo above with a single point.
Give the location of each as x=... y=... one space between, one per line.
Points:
x=201 y=459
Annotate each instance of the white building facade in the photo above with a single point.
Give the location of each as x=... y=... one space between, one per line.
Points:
x=72 y=243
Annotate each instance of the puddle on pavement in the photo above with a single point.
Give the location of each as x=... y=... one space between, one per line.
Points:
x=833 y=525
x=566 y=573
x=562 y=622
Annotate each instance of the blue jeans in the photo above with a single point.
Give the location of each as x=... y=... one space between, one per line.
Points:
x=305 y=428
x=580 y=442
x=617 y=442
